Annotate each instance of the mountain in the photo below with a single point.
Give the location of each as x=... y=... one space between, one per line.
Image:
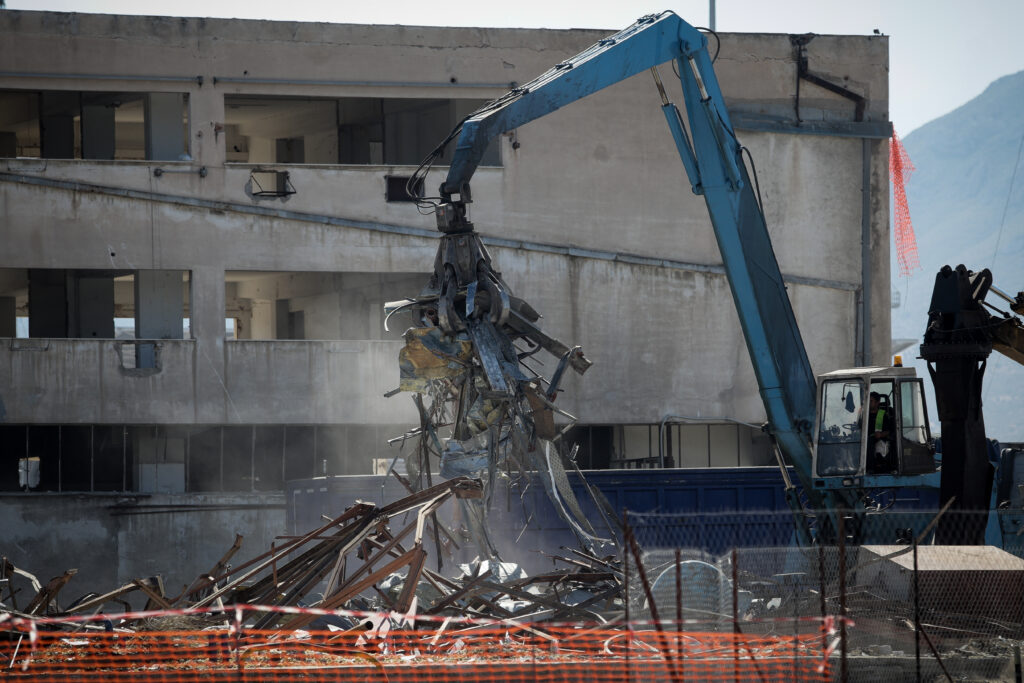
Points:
x=966 y=200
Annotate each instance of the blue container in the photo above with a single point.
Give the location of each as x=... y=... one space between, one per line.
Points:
x=709 y=509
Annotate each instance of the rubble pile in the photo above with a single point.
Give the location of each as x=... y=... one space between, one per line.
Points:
x=369 y=560
x=358 y=592
x=360 y=588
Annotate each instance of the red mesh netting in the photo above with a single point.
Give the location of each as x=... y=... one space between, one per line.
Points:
x=439 y=649
x=471 y=655
x=900 y=168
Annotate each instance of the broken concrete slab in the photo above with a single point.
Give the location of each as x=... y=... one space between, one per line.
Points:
x=967 y=580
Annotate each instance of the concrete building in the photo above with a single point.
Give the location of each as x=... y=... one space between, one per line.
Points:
x=202 y=220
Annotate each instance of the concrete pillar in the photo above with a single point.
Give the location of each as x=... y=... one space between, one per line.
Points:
x=57 y=111
x=91 y=310
x=207 y=305
x=158 y=304
x=97 y=131
x=158 y=310
x=8 y=316
x=165 y=135
x=206 y=123
x=262 y=323
x=281 y=311
x=47 y=303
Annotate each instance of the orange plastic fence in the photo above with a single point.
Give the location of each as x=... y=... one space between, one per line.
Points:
x=900 y=168
x=445 y=652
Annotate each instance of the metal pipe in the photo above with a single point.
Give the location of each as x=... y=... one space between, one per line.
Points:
x=1001 y=294
x=658 y=83
x=704 y=97
x=198 y=80
x=371 y=84
x=865 y=251
x=858 y=342
x=157 y=172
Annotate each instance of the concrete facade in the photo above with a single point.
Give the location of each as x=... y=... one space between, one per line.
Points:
x=112 y=539
x=587 y=211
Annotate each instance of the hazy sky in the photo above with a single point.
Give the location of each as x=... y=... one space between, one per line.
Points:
x=942 y=52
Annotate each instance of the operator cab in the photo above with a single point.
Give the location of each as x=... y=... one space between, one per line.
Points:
x=871 y=421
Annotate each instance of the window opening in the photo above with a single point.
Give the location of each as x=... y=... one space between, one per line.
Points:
x=53 y=124
x=264 y=305
x=129 y=306
x=348 y=130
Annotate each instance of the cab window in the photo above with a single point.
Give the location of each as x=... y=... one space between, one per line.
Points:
x=915 y=437
x=839 y=432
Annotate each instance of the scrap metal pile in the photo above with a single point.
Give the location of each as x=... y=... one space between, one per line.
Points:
x=356 y=595
x=369 y=560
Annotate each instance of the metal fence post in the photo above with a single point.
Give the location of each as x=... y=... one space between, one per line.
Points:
x=796 y=628
x=917 y=617
x=679 y=610
x=842 y=599
x=821 y=598
x=735 y=617
x=625 y=596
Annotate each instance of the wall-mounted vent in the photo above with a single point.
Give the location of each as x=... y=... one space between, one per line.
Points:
x=396 y=188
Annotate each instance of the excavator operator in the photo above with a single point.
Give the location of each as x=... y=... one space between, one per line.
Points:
x=880 y=456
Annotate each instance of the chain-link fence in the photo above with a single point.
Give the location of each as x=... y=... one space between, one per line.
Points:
x=881 y=601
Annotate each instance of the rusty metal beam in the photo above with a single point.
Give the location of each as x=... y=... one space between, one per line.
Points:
x=270 y=557
x=48 y=593
x=412 y=579
x=351 y=590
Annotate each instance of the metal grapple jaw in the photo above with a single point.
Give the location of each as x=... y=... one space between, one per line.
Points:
x=466 y=285
x=465 y=292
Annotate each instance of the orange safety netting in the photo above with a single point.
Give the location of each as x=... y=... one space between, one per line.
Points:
x=900 y=168
x=453 y=651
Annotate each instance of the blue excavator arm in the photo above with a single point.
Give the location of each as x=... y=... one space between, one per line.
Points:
x=711 y=156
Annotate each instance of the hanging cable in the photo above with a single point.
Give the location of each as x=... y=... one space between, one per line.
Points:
x=1006 y=204
x=417 y=181
x=753 y=173
x=718 y=41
